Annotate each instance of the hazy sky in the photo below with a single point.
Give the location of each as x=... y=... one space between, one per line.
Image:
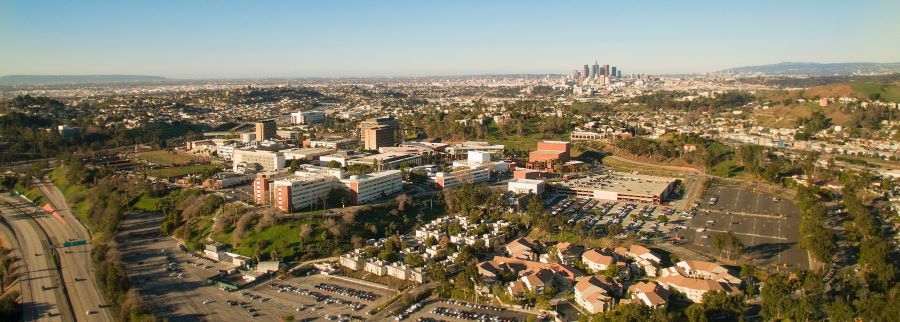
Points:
x=207 y=39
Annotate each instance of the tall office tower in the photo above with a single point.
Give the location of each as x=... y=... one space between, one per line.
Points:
x=612 y=73
x=586 y=72
x=601 y=71
x=266 y=130
x=378 y=132
x=606 y=68
x=619 y=74
x=597 y=67
x=593 y=71
x=574 y=74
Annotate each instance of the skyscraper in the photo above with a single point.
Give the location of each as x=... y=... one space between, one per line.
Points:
x=613 y=71
x=593 y=71
x=586 y=72
x=606 y=69
x=265 y=130
x=619 y=74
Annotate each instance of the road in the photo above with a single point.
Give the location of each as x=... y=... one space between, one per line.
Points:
x=77 y=267
x=44 y=299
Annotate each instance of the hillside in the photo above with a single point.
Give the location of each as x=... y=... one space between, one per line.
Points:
x=25 y=80
x=817 y=69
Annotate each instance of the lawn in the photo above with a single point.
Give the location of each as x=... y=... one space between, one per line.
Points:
x=528 y=142
x=163 y=157
x=727 y=168
x=147 y=203
x=180 y=171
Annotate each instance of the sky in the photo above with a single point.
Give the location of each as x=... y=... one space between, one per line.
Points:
x=237 y=39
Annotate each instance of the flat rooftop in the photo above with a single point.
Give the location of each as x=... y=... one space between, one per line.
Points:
x=621 y=182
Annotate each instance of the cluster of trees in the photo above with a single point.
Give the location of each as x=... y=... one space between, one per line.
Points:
x=10 y=309
x=814 y=236
x=708 y=153
x=758 y=161
x=728 y=243
x=109 y=197
x=802 y=296
x=874 y=251
x=812 y=125
x=670 y=100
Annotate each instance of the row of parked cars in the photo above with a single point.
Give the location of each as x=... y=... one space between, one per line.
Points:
x=346 y=291
x=468 y=315
x=319 y=297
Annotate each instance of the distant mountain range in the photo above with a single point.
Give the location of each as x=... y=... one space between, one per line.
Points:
x=817 y=69
x=20 y=80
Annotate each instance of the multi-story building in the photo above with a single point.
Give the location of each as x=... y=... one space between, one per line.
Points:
x=266 y=130
x=330 y=143
x=302 y=191
x=461 y=150
x=261 y=160
x=66 y=131
x=459 y=177
x=373 y=186
x=585 y=136
x=378 y=132
x=388 y=161
x=308 y=117
x=261 y=188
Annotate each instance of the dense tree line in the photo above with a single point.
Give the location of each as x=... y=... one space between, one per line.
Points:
x=671 y=100
x=108 y=198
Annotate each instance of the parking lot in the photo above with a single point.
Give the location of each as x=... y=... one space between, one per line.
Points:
x=173 y=282
x=324 y=297
x=450 y=310
x=767 y=226
x=597 y=215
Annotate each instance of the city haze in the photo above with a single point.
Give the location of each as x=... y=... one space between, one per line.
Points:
x=233 y=39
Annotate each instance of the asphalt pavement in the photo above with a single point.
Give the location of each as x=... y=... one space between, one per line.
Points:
x=78 y=272
x=43 y=298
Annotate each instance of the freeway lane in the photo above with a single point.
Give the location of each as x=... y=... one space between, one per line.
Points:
x=78 y=273
x=47 y=301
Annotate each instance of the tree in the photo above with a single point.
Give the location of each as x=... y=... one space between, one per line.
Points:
x=727 y=242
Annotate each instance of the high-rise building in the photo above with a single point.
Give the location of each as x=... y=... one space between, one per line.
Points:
x=602 y=71
x=619 y=74
x=606 y=69
x=593 y=71
x=586 y=72
x=266 y=130
x=378 y=132
x=613 y=71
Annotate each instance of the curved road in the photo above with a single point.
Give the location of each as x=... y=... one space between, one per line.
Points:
x=78 y=272
x=43 y=297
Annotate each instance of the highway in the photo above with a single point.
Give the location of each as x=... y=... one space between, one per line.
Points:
x=43 y=298
x=78 y=273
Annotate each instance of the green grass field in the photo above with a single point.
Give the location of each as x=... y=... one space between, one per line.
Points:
x=148 y=204
x=890 y=93
x=165 y=157
x=180 y=171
